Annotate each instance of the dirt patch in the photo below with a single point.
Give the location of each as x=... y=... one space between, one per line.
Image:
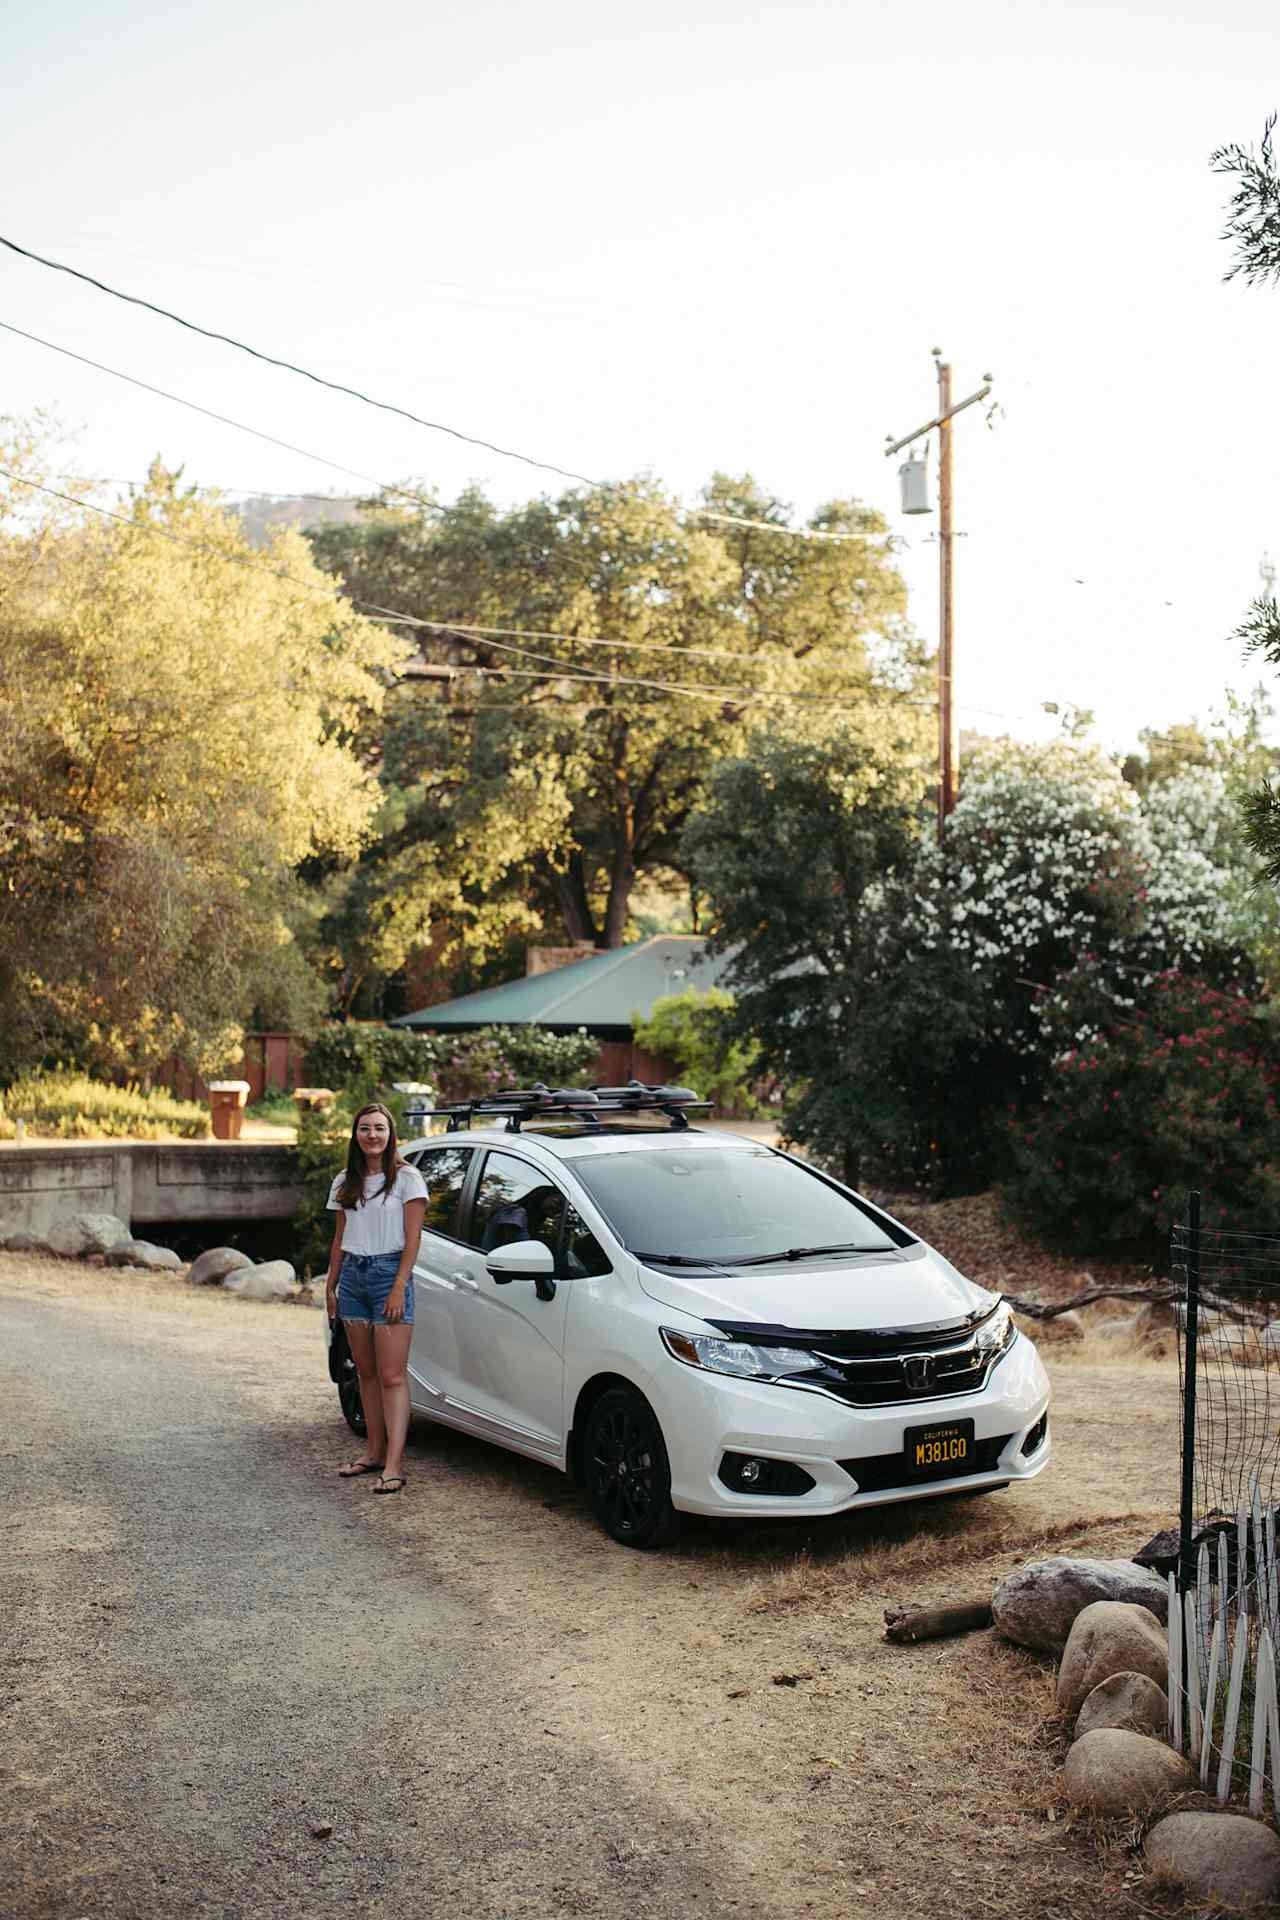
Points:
x=740 y=1678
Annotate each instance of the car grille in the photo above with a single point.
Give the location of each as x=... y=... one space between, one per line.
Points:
x=885 y=1470
x=892 y=1378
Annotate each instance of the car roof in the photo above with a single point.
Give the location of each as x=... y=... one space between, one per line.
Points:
x=576 y=1143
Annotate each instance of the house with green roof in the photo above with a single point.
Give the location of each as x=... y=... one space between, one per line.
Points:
x=600 y=992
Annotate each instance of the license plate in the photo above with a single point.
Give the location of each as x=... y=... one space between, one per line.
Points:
x=939 y=1452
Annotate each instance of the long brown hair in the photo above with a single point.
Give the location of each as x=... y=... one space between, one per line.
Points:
x=351 y=1192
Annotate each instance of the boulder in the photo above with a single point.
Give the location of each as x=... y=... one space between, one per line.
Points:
x=88 y=1233
x=1106 y=1638
x=143 y=1253
x=1063 y=1326
x=274 y=1280
x=215 y=1263
x=26 y=1243
x=1219 y=1857
x=1131 y=1700
x=1037 y=1604
x=1110 y=1771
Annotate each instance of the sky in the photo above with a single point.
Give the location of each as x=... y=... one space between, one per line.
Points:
x=692 y=237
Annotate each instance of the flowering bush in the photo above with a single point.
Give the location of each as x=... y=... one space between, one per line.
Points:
x=1050 y=856
x=1180 y=1092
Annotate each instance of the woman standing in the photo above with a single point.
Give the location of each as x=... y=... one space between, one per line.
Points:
x=379 y=1200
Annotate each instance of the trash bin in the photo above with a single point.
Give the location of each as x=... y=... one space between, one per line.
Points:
x=227 y=1102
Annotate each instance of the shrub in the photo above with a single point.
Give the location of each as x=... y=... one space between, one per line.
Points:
x=1179 y=1093
x=689 y=1030
x=459 y=1066
x=70 y=1106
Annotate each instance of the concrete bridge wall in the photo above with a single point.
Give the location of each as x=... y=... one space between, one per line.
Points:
x=146 y=1183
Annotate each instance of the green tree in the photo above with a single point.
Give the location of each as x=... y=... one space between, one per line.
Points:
x=176 y=736
x=1253 y=230
x=537 y=785
x=801 y=853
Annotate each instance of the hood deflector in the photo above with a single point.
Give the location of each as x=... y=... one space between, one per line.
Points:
x=850 y=1345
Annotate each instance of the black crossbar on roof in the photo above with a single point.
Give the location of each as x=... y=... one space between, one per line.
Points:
x=577 y=1105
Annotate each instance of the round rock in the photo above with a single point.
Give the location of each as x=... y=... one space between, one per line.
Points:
x=26 y=1243
x=273 y=1280
x=210 y=1268
x=88 y=1233
x=1110 y=1771
x=1107 y=1638
x=1219 y=1857
x=143 y=1253
x=1129 y=1700
x=1037 y=1605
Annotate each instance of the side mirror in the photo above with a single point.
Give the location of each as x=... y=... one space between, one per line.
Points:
x=524 y=1260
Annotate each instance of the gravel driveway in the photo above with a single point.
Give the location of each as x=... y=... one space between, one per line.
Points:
x=216 y=1646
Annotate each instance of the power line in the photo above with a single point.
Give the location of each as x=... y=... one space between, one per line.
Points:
x=352 y=473
x=566 y=672
x=289 y=366
x=436 y=426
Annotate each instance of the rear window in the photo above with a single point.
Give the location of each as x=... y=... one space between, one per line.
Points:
x=725 y=1203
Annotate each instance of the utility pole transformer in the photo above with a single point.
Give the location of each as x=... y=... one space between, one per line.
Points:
x=948 y=730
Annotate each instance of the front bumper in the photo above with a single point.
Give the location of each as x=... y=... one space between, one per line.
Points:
x=706 y=1415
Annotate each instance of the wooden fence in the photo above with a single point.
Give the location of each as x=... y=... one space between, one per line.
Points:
x=1223 y=1632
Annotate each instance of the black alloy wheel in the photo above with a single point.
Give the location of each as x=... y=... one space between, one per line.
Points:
x=628 y=1475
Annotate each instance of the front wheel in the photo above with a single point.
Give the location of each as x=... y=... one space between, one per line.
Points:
x=628 y=1474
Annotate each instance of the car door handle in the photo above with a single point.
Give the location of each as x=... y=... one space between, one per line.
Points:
x=463 y=1279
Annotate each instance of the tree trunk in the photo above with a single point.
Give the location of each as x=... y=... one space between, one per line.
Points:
x=571 y=898
x=622 y=875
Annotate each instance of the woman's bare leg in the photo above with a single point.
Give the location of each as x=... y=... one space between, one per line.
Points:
x=360 y=1341
x=391 y=1346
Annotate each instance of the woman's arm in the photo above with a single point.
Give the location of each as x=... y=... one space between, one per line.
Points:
x=414 y=1210
x=335 y=1263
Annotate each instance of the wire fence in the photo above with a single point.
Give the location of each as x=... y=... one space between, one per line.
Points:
x=1224 y=1601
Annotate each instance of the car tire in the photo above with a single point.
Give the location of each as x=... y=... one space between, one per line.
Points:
x=628 y=1474
x=349 y=1393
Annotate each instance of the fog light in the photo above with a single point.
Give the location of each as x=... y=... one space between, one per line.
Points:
x=745 y=1473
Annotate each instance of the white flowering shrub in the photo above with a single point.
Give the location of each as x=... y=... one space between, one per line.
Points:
x=1052 y=862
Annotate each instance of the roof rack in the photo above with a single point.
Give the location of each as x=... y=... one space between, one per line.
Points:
x=580 y=1105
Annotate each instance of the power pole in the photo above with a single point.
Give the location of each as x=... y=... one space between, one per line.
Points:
x=948 y=731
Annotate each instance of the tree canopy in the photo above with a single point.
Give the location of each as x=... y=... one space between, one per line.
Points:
x=548 y=763
x=1253 y=231
x=176 y=736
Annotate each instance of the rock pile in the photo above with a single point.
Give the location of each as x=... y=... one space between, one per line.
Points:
x=1106 y=1619
x=102 y=1240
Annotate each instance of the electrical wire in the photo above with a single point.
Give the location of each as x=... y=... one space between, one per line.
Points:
x=566 y=672
x=224 y=419
x=289 y=366
x=436 y=426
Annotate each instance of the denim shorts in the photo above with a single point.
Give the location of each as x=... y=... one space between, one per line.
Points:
x=364 y=1281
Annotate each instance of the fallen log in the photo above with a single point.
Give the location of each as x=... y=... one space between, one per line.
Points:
x=904 y=1625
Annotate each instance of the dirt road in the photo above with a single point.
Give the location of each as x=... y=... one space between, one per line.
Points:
x=215 y=1647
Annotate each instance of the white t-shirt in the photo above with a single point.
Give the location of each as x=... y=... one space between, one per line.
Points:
x=376 y=1225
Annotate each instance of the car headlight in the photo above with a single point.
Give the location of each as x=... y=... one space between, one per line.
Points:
x=739 y=1357
x=997 y=1332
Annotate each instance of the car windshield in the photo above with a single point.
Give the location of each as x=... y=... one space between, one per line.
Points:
x=726 y=1204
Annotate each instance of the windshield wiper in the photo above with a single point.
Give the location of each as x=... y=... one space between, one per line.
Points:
x=805 y=1253
x=675 y=1259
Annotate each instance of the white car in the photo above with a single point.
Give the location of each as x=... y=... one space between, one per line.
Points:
x=690 y=1322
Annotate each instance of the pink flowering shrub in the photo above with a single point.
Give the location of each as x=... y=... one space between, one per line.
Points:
x=1177 y=1091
